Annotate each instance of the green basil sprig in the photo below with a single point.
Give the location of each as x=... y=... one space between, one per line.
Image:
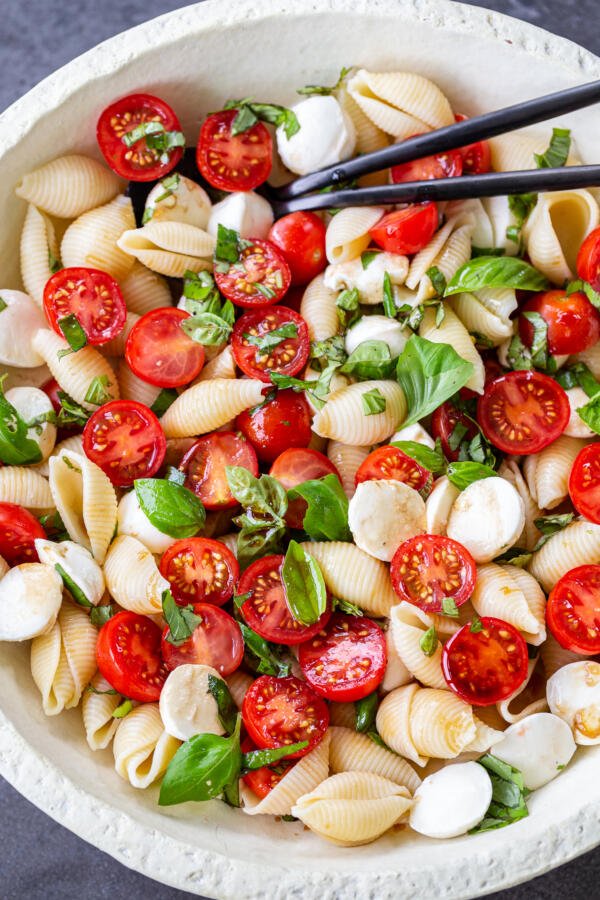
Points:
x=373 y=402
x=262 y=524
x=164 y=400
x=207 y=328
x=263 y=657
x=462 y=474
x=16 y=448
x=508 y=795
x=170 y=507
x=578 y=375
x=304 y=585
x=429 y=374
x=96 y=392
x=432 y=460
x=310 y=89
x=558 y=150
x=73 y=334
x=275 y=337
x=250 y=112
x=496 y=271
x=365 y=711
x=182 y=620
x=326 y=517
x=371 y=360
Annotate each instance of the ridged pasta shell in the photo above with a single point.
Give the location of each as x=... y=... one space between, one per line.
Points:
x=209 y=405
x=536 y=601
x=221 y=366
x=170 y=248
x=485 y=736
x=393 y=722
x=451 y=331
x=69 y=186
x=509 y=469
x=38 y=245
x=75 y=371
x=368 y=136
x=576 y=545
x=536 y=706
x=144 y=290
x=238 y=683
x=353 y=808
x=351 y=751
x=455 y=252
x=133 y=388
x=116 y=346
x=479 y=320
x=556 y=229
x=407 y=631
x=132 y=576
x=425 y=258
x=343 y=417
x=97 y=710
x=348 y=232
x=141 y=747
x=22 y=318
x=92 y=239
x=548 y=471
x=74 y=443
x=184 y=201
x=86 y=501
x=354 y=576
x=400 y=103
x=497 y=593
x=474 y=211
x=347 y=460
x=514 y=152
x=25 y=486
x=318 y=310
x=396 y=673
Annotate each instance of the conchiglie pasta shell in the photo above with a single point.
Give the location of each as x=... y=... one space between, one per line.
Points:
x=485 y=736
x=536 y=706
x=116 y=346
x=221 y=366
x=318 y=310
x=132 y=576
x=548 y=471
x=441 y=725
x=354 y=752
x=38 y=243
x=536 y=601
x=133 y=388
x=69 y=186
x=238 y=683
x=556 y=229
x=348 y=232
x=407 y=631
x=354 y=576
x=576 y=545
x=479 y=320
x=75 y=371
x=498 y=594
x=209 y=405
x=515 y=151
x=426 y=257
x=531 y=533
x=455 y=252
x=343 y=418
x=347 y=460
x=142 y=748
x=86 y=501
x=91 y=240
x=368 y=136
x=451 y=331
x=97 y=710
x=170 y=248
x=400 y=103
x=73 y=443
x=25 y=486
x=144 y=290
x=393 y=722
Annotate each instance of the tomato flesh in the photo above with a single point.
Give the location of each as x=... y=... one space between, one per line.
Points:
x=300 y=237
x=523 y=411
x=588 y=259
x=573 y=610
x=390 y=463
x=266 y=610
x=408 y=230
x=200 y=570
x=294 y=467
x=205 y=463
x=160 y=352
x=573 y=323
x=287 y=357
x=449 y=424
x=346 y=660
x=428 y=568
x=487 y=666
x=262 y=781
x=260 y=277
x=282 y=711
x=92 y=296
x=128 y=656
x=584 y=483
x=280 y=423
x=124 y=438
x=216 y=642
x=233 y=162
x=440 y=165
x=18 y=531
x=477 y=157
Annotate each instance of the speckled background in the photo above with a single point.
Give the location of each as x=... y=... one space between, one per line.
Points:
x=40 y=860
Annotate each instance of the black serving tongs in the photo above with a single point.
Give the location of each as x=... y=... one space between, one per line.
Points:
x=297 y=194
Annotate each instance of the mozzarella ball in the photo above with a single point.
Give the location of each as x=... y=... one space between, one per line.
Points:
x=382 y=514
x=246 y=212
x=77 y=563
x=540 y=746
x=439 y=504
x=132 y=520
x=30 y=598
x=20 y=319
x=178 y=199
x=186 y=704
x=414 y=433
x=573 y=694
x=487 y=518
x=377 y=328
x=31 y=402
x=367 y=281
x=576 y=426
x=451 y=801
x=326 y=136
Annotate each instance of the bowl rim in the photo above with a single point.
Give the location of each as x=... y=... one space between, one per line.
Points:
x=176 y=862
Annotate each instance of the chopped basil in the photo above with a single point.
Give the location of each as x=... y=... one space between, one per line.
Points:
x=249 y=113
x=440 y=314
x=73 y=334
x=462 y=474
x=262 y=524
x=578 y=375
x=256 y=759
x=411 y=316
x=389 y=305
x=122 y=710
x=367 y=257
x=207 y=329
x=429 y=641
x=326 y=517
x=478 y=449
x=351 y=609
x=365 y=711
x=3 y=304
x=549 y=525
x=227 y=249
x=371 y=360
x=508 y=795
x=257 y=538
x=227 y=709
x=496 y=271
x=429 y=374
x=317 y=388
x=73 y=588
x=16 y=448
x=240 y=599
x=481 y=341
x=166 y=397
x=96 y=392
x=438 y=280
x=265 y=658
x=141 y=131
x=169 y=185
x=521 y=206
x=94 y=690
x=271 y=339
x=348 y=307
x=432 y=460
x=311 y=89
x=585 y=288
x=590 y=414
x=373 y=402
x=558 y=152
x=182 y=620
x=100 y=615
x=522 y=357
x=476 y=624
x=449 y=607
x=304 y=585
x=54 y=527
x=330 y=350
x=54 y=264
x=516 y=556
x=200 y=287
x=170 y=507
x=71 y=413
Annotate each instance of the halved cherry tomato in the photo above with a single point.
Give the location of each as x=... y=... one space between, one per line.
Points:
x=200 y=570
x=231 y=162
x=584 y=483
x=573 y=610
x=487 y=666
x=573 y=323
x=441 y=165
x=160 y=352
x=270 y=353
x=280 y=711
x=346 y=660
x=294 y=467
x=266 y=610
x=523 y=411
x=427 y=568
x=216 y=642
x=139 y=162
x=300 y=237
x=444 y=421
x=280 y=423
x=18 y=531
x=126 y=440
x=128 y=656
x=260 y=277
x=205 y=462
x=588 y=259
x=91 y=295
x=477 y=157
x=390 y=463
x=407 y=230
x=262 y=781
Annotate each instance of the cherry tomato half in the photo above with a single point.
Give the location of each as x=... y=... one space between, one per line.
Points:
x=281 y=423
x=584 y=483
x=523 y=411
x=216 y=642
x=262 y=781
x=300 y=237
x=125 y=440
x=200 y=570
x=258 y=352
x=205 y=462
x=266 y=610
x=128 y=656
x=139 y=162
x=487 y=666
x=573 y=610
x=18 y=531
x=346 y=660
x=477 y=157
x=573 y=323
x=294 y=467
x=407 y=230
x=280 y=711
x=448 y=424
x=427 y=568
x=260 y=277
x=231 y=162
x=94 y=297
x=441 y=165
x=160 y=352
x=390 y=463
x=588 y=259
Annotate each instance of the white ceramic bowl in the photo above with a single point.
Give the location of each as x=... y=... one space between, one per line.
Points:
x=196 y=58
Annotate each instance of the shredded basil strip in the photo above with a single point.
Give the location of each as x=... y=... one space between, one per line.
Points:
x=100 y=615
x=365 y=711
x=170 y=507
x=96 y=392
x=265 y=658
x=558 y=151
x=122 y=710
x=311 y=89
x=429 y=641
x=250 y=112
x=256 y=759
x=373 y=402
x=73 y=334
x=16 y=448
x=164 y=400
x=226 y=707
x=304 y=585
x=182 y=620
x=73 y=588
x=367 y=257
x=270 y=339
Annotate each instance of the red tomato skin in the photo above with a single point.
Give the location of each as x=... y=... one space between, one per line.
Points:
x=257 y=138
x=262 y=781
x=18 y=530
x=228 y=574
x=221 y=629
x=97 y=428
x=477 y=157
x=266 y=427
x=588 y=259
x=391 y=463
x=425 y=547
x=567 y=602
x=262 y=257
x=290 y=689
x=127 y=640
x=148 y=334
x=294 y=467
x=62 y=288
x=440 y=165
x=408 y=230
x=584 y=483
x=300 y=237
x=204 y=465
x=573 y=323
x=246 y=355
x=443 y=422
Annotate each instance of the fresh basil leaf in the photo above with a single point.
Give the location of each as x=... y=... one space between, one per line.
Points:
x=258 y=538
x=516 y=556
x=508 y=795
x=304 y=585
x=429 y=374
x=462 y=474
x=590 y=414
x=558 y=152
x=432 y=460
x=175 y=475
x=549 y=525
x=585 y=288
x=389 y=304
x=100 y=615
x=93 y=690
x=365 y=711
x=265 y=496
x=227 y=249
x=429 y=641
x=332 y=349
x=438 y=280
x=367 y=257
x=521 y=206
x=377 y=739
x=440 y=314
x=96 y=392
x=122 y=710
x=182 y=620
x=170 y=507
x=73 y=334
x=200 y=288
x=249 y=112
x=267 y=658
x=348 y=307
x=145 y=129
x=270 y=339
x=73 y=588
x=54 y=527
x=227 y=709
x=71 y=413
x=478 y=449
x=207 y=329
x=351 y=609
x=449 y=607
x=370 y=361
x=487 y=251
x=326 y=517
x=256 y=759
x=231 y=793
x=202 y=768
x=16 y=448
x=410 y=316
x=496 y=271
x=578 y=375
x=240 y=599
x=476 y=624
x=373 y=402
x=164 y=400
x=310 y=89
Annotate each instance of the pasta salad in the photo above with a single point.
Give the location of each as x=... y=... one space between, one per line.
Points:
x=304 y=514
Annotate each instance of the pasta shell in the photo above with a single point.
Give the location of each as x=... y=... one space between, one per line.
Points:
x=222 y=366
x=407 y=631
x=343 y=417
x=75 y=371
x=548 y=471
x=132 y=576
x=354 y=752
x=514 y=152
x=21 y=320
x=556 y=229
x=25 y=486
x=209 y=405
x=348 y=232
x=97 y=708
x=536 y=601
x=144 y=290
x=400 y=103
x=575 y=545
x=347 y=460
x=368 y=136
x=354 y=576
x=497 y=593
x=133 y=388
x=396 y=673
x=91 y=240
x=69 y=186
x=116 y=346
x=318 y=310
x=531 y=533
x=478 y=320
x=170 y=248
x=425 y=258
x=474 y=211
x=455 y=252
x=4 y=567
x=536 y=706
x=38 y=247
x=85 y=500
x=451 y=331
x=183 y=201
x=73 y=443
x=485 y=736
x=141 y=747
